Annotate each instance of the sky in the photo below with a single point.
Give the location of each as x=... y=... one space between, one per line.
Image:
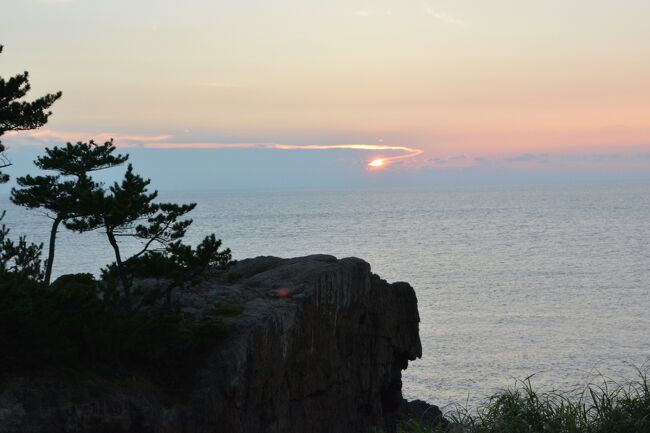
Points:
x=255 y=93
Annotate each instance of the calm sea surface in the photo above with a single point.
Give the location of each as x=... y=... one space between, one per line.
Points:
x=511 y=281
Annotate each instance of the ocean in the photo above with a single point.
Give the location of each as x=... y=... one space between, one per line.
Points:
x=512 y=280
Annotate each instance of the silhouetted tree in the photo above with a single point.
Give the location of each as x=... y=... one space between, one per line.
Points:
x=128 y=210
x=71 y=193
x=22 y=258
x=4 y=163
x=180 y=264
x=17 y=115
x=80 y=158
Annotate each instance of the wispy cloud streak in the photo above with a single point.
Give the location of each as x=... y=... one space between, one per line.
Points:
x=49 y=137
x=406 y=152
x=443 y=16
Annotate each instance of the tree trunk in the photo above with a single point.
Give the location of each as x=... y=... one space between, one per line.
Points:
x=50 y=256
x=118 y=260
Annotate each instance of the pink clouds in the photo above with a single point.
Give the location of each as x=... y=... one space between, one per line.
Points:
x=595 y=151
x=45 y=137
x=49 y=137
x=406 y=152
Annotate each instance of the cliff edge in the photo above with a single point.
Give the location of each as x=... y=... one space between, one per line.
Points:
x=319 y=347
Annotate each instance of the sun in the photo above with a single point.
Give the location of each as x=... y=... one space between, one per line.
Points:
x=377 y=163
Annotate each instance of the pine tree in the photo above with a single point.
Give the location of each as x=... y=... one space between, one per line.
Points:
x=180 y=264
x=19 y=258
x=127 y=210
x=80 y=158
x=4 y=163
x=71 y=193
x=17 y=115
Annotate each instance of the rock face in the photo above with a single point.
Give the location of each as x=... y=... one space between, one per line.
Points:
x=319 y=347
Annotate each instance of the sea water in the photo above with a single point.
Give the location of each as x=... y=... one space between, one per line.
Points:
x=511 y=280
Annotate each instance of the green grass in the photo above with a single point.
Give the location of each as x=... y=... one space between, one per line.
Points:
x=607 y=407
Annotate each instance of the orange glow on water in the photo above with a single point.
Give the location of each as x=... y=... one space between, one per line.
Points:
x=377 y=163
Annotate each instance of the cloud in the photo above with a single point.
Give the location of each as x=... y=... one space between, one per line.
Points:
x=443 y=16
x=50 y=137
x=406 y=152
x=205 y=145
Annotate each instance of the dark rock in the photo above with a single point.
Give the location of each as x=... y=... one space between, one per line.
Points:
x=319 y=347
x=426 y=414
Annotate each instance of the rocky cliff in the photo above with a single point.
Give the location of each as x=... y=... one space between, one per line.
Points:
x=319 y=347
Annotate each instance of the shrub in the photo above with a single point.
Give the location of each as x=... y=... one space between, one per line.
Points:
x=74 y=322
x=21 y=258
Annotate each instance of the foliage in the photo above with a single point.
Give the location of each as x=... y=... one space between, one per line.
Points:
x=600 y=408
x=20 y=258
x=127 y=209
x=78 y=320
x=133 y=213
x=80 y=158
x=177 y=264
x=73 y=322
x=18 y=115
x=60 y=198
x=70 y=193
x=4 y=162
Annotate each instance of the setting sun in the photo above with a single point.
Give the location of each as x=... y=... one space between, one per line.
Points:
x=379 y=162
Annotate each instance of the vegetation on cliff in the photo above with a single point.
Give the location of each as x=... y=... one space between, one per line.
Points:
x=75 y=322
x=607 y=407
x=77 y=319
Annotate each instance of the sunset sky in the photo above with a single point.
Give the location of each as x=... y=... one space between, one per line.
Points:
x=542 y=87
